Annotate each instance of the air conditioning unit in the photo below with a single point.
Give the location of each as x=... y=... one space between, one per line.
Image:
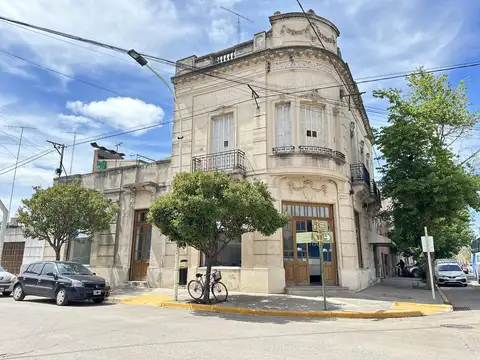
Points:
x=13 y=222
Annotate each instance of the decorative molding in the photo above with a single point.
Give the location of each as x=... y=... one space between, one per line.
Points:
x=313 y=96
x=306 y=188
x=259 y=41
x=307 y=33
x=222 y=109
x=306 y=64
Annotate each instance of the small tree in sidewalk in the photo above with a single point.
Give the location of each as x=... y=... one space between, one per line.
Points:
x=61 y=212
x=207 y=210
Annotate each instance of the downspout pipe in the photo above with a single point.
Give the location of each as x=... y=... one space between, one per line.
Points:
x=4 y=226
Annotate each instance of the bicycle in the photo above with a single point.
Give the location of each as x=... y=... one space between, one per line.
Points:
x=196 y=287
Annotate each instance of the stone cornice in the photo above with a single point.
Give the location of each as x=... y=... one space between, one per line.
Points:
x=298 y=51
x=289 y=15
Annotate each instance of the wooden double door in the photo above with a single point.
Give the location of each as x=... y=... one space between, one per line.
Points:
x=141 y=244
x=302 y=259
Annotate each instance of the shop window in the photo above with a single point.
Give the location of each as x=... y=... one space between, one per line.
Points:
x=80 y=250
x=231 y=255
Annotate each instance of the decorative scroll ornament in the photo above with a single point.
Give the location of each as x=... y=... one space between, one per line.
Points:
x=307 y=188
x=306 y=32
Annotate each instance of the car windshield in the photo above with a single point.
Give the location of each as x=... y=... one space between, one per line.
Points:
x=2 y=269
x=72 y=269
x=449 y=267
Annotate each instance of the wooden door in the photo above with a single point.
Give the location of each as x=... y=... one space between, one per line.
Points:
x=301 y=264
x=329 y=259
x=288 y=253
x=141 y=243
x=12 y=256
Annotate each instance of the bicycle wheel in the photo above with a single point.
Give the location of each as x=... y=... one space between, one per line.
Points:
x=219 y=291
x=195 y=289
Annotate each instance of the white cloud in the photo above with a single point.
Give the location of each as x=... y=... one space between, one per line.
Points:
x=222 y=32
x=152 y=26
x=77 y=121
x=120 y=113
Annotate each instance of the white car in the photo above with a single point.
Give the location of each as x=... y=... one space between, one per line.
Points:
x=6 y=282
x=450 y=273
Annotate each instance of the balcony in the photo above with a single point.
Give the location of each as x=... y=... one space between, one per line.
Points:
x=338 y=156
x=231 y=161
x=360 y=180
x=375 y=193
x=283 y=150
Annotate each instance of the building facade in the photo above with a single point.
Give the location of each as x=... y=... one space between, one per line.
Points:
x=282 y=108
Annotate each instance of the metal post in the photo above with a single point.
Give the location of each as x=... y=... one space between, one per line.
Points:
x=322 y=264
x=15 y=171
x=180 y=164
x=430 y=270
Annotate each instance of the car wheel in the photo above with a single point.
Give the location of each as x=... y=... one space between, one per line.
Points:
x=98 y=301
x=61 y=298
x=416 y=273
x=6 y=293
x=18 y=294
x=465 y=285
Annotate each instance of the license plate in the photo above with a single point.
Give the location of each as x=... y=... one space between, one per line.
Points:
x=97 y=292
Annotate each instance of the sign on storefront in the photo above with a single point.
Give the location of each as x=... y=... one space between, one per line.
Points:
x=320 y=226
x=305 y=237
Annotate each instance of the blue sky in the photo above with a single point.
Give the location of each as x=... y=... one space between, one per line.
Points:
x=377 y=37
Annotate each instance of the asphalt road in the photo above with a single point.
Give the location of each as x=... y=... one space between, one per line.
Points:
x=464 y=296
x=38 y=329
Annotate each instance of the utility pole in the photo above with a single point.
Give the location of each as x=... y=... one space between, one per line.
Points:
x=73 y=147
x=116 y=149
x=60 y=149
x=16 y=163
x=143 y=62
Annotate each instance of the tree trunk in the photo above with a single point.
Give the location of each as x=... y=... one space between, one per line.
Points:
x=206 y=293
x=57 y=254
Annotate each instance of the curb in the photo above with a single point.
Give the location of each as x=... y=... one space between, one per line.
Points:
x=425 y=309
x=443 y=296
x=281 y=313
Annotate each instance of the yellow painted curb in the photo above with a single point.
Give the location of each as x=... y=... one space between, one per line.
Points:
x=425 y=309
x=165 y=301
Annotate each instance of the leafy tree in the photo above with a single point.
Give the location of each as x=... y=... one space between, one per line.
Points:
x=61 y=212
x=206 y=210
x=427 y=183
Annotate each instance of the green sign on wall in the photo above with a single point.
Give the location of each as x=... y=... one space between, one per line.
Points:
x=101 y=165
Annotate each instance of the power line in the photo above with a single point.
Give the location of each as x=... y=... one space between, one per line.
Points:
x=58 y=72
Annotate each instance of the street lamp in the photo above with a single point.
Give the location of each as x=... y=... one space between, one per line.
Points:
x=143 y=62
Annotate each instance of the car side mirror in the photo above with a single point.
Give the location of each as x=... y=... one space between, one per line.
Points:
x=95 y=274
x=52 y=274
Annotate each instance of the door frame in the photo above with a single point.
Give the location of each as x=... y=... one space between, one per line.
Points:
x=330 y=218
x=134 y=241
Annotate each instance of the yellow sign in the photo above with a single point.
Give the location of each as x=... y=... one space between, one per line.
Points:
x=320 y=225
x=327 y=237
x=304 y=238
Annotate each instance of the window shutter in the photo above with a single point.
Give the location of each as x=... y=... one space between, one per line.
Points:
x=283 y=126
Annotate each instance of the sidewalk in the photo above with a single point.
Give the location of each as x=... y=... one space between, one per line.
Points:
x=383 y=300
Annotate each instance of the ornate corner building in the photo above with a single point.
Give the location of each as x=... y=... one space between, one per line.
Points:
x=283 y=108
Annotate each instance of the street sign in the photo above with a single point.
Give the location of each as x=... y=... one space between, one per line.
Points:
x=304 y=238
x=427 y=244
x=327 y=237
x=319 y=225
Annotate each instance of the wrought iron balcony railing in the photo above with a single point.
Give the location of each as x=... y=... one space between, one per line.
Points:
x=283 y=150
x=316 y=150
x=360 y=174
x=228 y=161
x=375 y=192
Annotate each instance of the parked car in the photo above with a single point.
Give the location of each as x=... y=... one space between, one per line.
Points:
x=450 y=273
x=7 y=280
x=62 y=281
